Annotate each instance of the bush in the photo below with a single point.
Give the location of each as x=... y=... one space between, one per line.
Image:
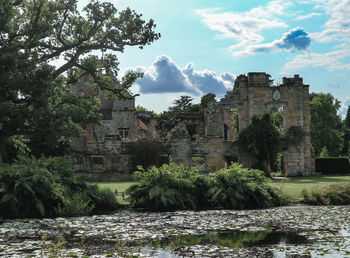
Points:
x=332 y=165
x=48 y=187
x=173 y=187
x=336 y=194
x=170 y=187
x=241 y=188
x=27 y=190
x=103 y=199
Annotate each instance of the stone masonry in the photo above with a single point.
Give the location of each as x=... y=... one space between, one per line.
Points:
x=210 y=135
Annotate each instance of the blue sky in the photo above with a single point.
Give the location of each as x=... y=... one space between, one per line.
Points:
x=205 y=44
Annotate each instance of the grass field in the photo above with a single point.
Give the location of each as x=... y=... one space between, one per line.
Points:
x=291 y=186
x=120 y=186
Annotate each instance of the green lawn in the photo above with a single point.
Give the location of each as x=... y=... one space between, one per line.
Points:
x=291 y=186
x=120 y=186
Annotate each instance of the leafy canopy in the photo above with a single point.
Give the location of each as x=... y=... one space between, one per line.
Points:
x=35 y=96
x=262 y=140
x=325 y=124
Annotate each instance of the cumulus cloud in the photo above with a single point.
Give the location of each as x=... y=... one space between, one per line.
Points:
x=165 y=76
x=245 y=27
x=207 y=81
x=331 y=61
x=295 y=39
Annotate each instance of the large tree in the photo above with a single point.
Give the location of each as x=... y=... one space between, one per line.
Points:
x=206 y=99
x=346 y=136
x=262 y=141
x=325 y=124
x=34 y=35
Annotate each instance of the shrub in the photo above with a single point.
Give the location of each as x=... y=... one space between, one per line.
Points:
x=76 y=205
x=241 y=188
x=169 y=187
x=103 y=199
x=336 y=194
x=173 y=187
x=332 y=165
x=26 y=190
x=48 y=187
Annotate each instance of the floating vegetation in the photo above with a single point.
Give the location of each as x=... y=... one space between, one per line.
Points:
x=300 y=231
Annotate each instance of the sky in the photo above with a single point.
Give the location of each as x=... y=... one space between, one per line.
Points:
x=205 y=44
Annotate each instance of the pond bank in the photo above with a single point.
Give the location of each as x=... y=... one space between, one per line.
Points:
x=326 y=230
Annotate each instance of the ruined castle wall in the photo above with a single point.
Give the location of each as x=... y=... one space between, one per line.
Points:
x=257 y=98
x=104 y=155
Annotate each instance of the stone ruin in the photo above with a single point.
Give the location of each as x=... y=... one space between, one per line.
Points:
x=208 y=137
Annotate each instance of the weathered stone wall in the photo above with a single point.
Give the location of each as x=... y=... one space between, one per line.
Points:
x=101 y=161
x=104 y=154
x=253 y=95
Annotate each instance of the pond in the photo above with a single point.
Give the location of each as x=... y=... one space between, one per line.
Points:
x=294 y=231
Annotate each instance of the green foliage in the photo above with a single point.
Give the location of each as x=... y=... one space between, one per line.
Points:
x=182 y=104
x=241 y=188
x=169 y=187
x=206 y=99
x=324 y=153
x=336 y=194
x=325 y=124
x=173 y=187
x=276 y=115
x=103 y=200
x=75 y=205
x=346 y=136
x=329 y=165
x=35 y=97
x=26 y=190
x=262 y=141
x=15 y=145
x=48 y=187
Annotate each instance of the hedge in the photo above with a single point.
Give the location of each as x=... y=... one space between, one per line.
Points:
x=332 y=165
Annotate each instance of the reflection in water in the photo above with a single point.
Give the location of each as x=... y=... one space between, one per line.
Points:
x=234 y=239
x=229 y=239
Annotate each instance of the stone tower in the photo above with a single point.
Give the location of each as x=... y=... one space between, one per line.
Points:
x=254 y=95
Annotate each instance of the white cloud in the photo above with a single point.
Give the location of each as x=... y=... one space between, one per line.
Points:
x=295 y=39
x=337 y=26
x=307 y=16
x=331 y=61
x=245 y=27
x=165 y=76
x=344 y=107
